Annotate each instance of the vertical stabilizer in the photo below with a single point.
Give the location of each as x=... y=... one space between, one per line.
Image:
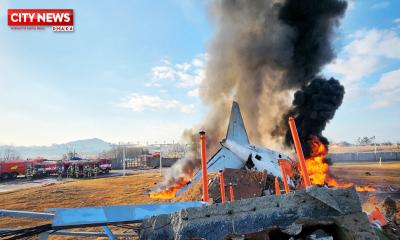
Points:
x=236 y=129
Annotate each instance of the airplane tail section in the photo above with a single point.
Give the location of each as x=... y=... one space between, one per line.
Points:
x=236 y=129
x=225 y=158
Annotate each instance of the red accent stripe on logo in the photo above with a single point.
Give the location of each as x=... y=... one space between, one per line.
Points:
x=40 y=17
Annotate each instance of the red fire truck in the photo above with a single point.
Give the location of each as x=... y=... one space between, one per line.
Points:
x=51 y=167
x=104 y=165
x=34 y=168
x=11 y=169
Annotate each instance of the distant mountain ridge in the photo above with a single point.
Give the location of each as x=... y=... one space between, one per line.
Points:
x=85 y=147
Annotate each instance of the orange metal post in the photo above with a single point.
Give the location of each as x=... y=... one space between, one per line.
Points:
x=299 y=151
x=284 y=176
x=204 y=165
x=222 y=185
x=277 y=188
x=231 y=194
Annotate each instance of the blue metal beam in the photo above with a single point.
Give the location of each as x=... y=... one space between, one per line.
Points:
x=109 y=233
x=99 y=216
x=14 y=213
x=82 y=234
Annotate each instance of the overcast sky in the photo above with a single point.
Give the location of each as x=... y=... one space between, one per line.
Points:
x=131 y=70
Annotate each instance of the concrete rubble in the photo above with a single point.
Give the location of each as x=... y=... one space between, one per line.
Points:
x=246 y=184
x=313 y=213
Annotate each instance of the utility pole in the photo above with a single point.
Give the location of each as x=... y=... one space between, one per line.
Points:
x=160 y=160
x=123 y=160
x=376 y=158
x=161 y=155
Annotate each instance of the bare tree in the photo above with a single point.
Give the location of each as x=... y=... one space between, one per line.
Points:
x=365 y=140
x=10 y=154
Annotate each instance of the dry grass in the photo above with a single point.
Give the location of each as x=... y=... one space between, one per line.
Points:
x=82 y=193
x=387 y=174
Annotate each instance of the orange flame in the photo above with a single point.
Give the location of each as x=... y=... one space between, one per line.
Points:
x=365 y=189
x=171 y=191
x=318 y=169
x=376 y=215
x=316 y=166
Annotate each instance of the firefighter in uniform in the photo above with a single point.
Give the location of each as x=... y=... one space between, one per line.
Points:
x=86 y=171
x=70 y=171
x=76 y=171
x=28 y=172
x=60 y=170
x=96 y=171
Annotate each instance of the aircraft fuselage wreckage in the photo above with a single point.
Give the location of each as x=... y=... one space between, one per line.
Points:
x=236 y=152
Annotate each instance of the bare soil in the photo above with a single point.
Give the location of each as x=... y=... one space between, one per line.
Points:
x=368 y=173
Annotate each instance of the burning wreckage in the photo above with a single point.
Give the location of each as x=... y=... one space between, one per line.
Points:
x=236 y=152
x=258 y=209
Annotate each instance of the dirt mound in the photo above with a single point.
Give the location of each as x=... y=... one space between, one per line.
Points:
x=246 y=184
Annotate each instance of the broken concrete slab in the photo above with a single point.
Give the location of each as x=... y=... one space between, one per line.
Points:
x=324 y=197
x=218 y=221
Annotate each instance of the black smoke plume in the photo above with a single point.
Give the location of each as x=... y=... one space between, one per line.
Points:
x=262 y=52
x=313 y=106
x=313 y=23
